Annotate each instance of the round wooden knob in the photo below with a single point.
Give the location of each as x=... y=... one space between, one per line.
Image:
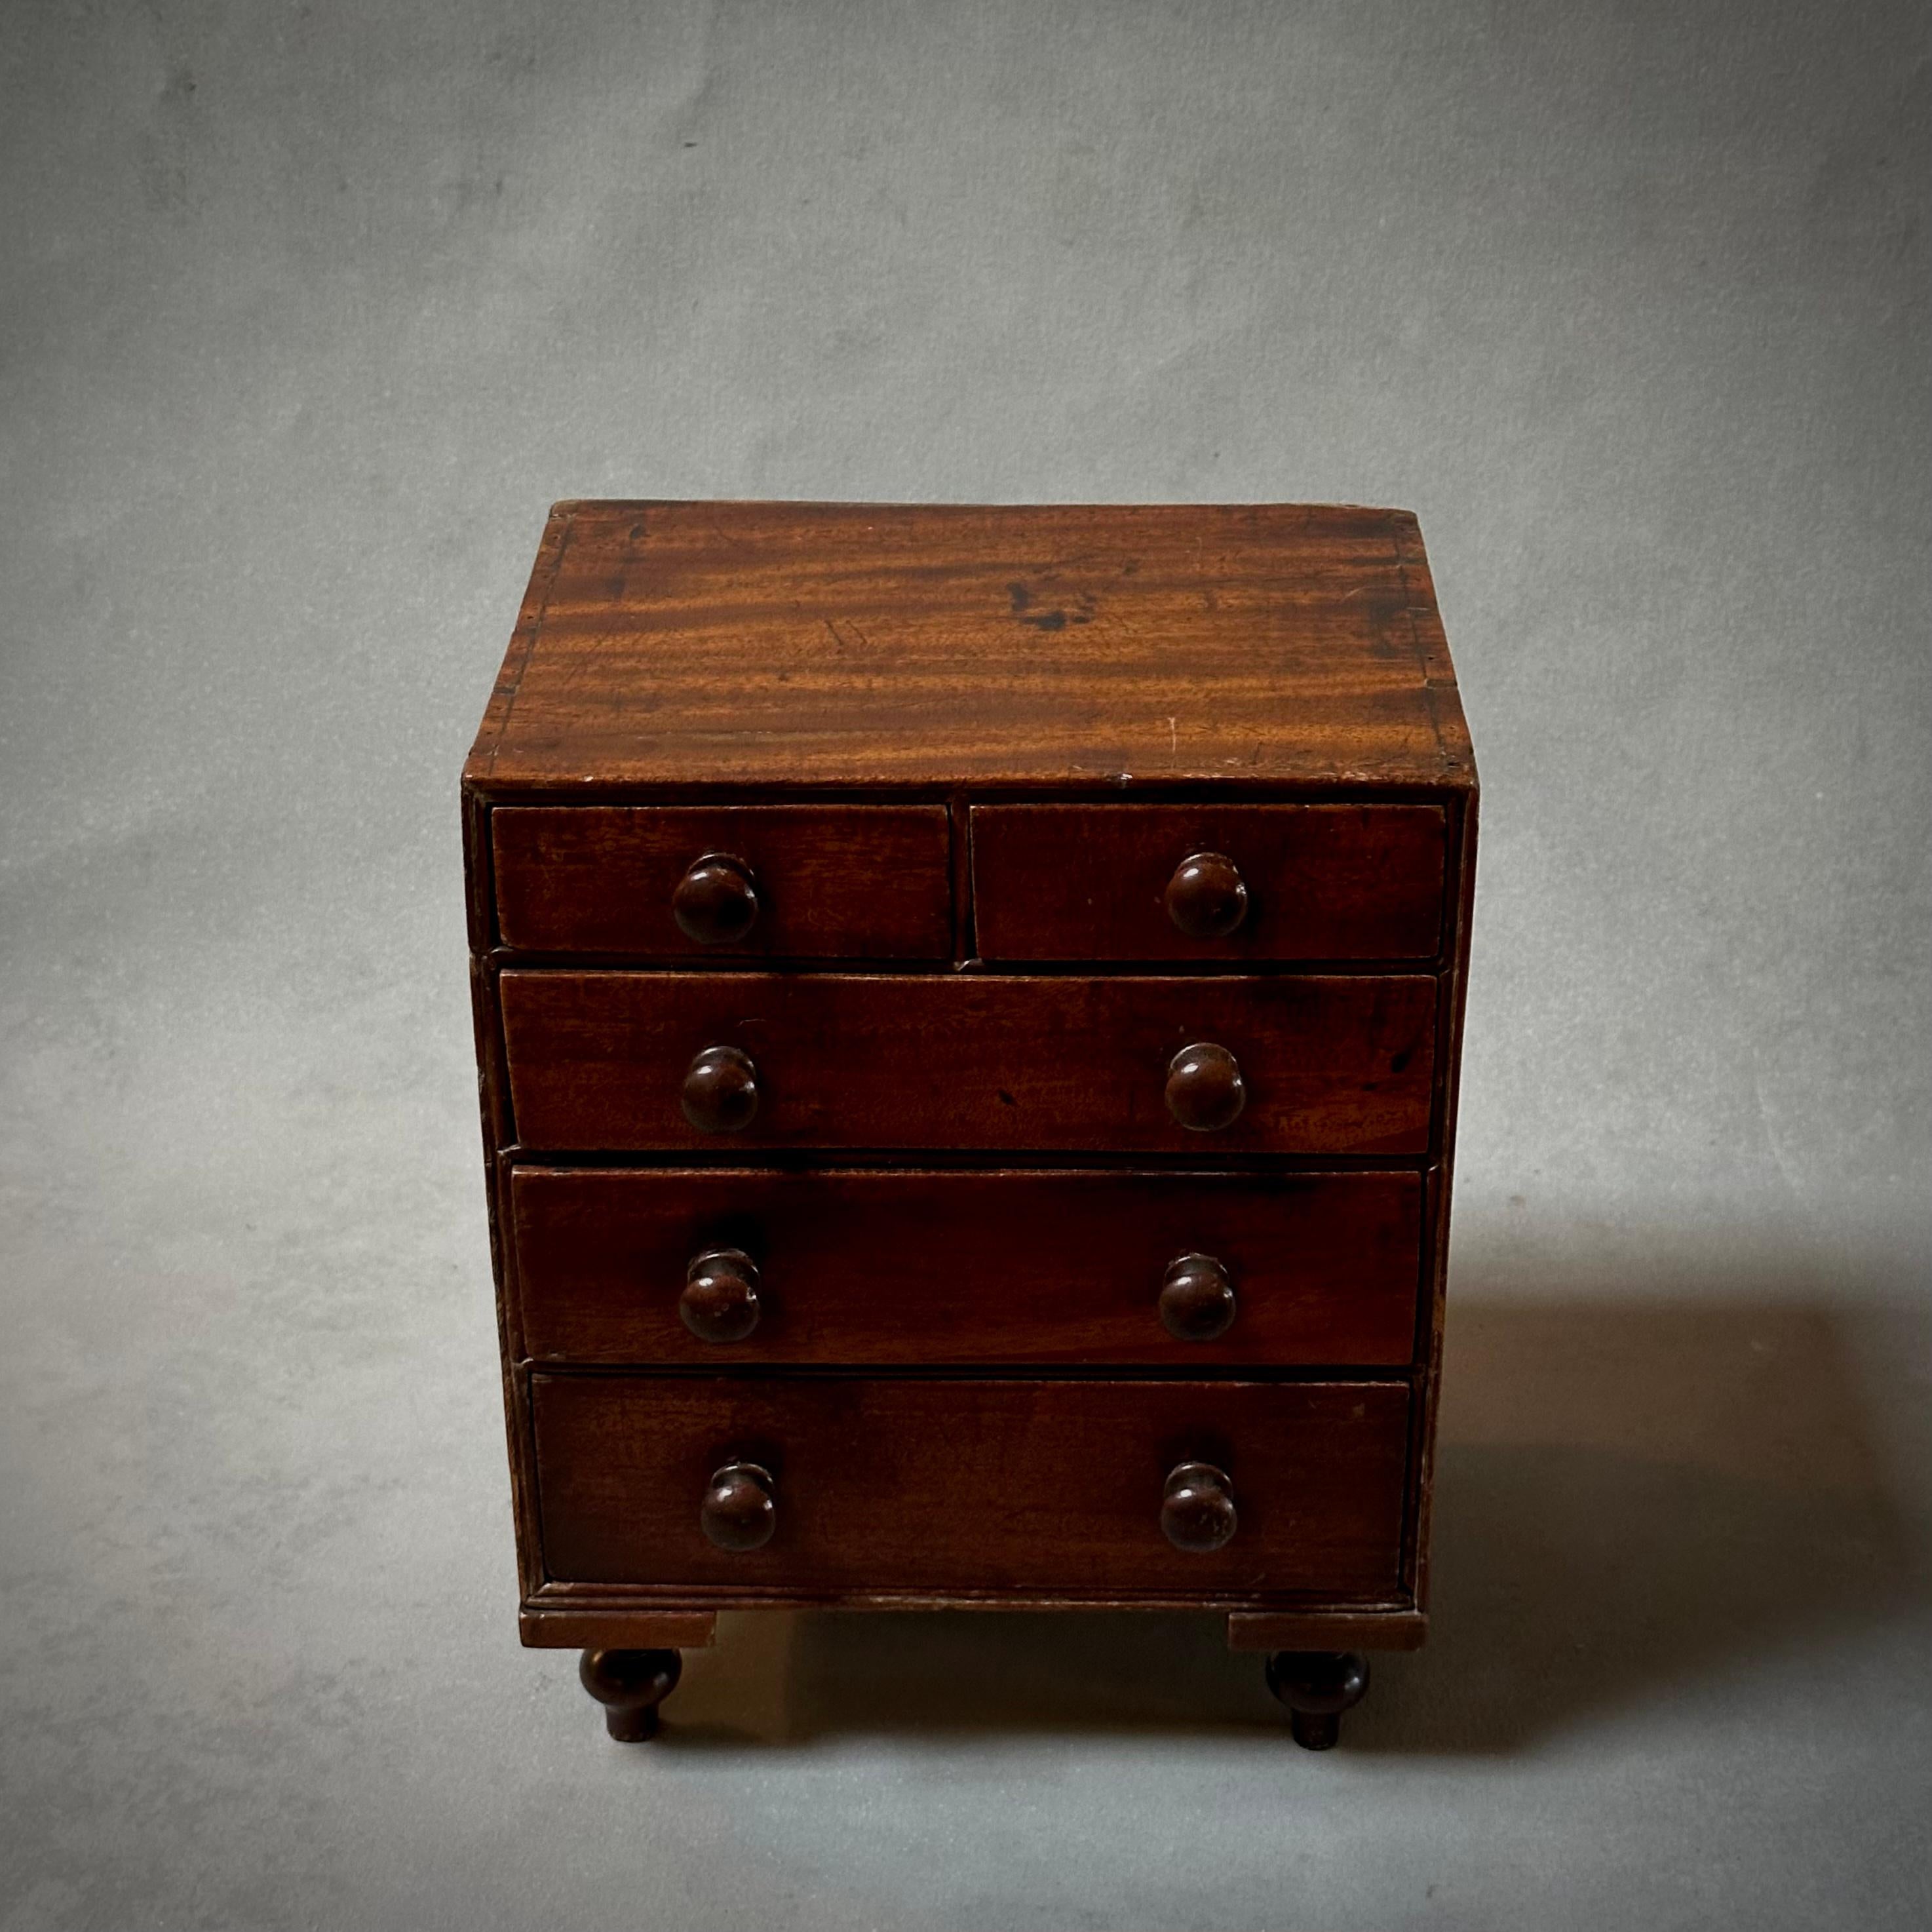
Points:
x=1197 y=1299
x=720 y=1301
x=716 y=901
x=739 y=1511
x=1197 y=1510
x=1206 y=898
x=1204 y=1087
x=720 y=1091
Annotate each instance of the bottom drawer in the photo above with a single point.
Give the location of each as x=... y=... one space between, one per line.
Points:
x=961 y=1487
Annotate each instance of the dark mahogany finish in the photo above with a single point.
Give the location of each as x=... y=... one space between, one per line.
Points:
x=720 y=1302
x=1197 y=1299
x=968 y=1003
x=907 y=1267
x=1116 y=648
x=716 y=901
x=1317 y=1686
x=828 y=881
x=1231 y=882
x=631 y=1684
x=720 y=1092
x=740 y=1511
x=1197 y=1508
x=964 y=1487
x=599 y=1061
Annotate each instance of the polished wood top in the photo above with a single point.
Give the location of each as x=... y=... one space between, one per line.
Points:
x=1125 y=647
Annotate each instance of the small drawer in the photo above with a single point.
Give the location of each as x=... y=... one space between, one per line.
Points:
x=1289 y=1064
x=731 y=1266
x=778 y=881
x=1086 y=1489
x=1157 y=882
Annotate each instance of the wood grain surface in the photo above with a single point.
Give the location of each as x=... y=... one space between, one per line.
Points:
x=870 y=882
x=933 y=1484
x=1077 y=882
x=793 y=645
x=597 y=1059
x=964 y=1267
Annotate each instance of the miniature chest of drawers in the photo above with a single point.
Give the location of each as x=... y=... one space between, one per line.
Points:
x=967 y=1003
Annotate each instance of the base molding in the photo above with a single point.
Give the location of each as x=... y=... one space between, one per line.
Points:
x=1327 y=1629
x=601 y=1627
x=617 y=1630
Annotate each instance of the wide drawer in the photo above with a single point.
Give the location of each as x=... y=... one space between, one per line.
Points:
x=972 y=1487
x=601 y=1060
x=814 y=881
x=865 y=1267
x=1077 y=882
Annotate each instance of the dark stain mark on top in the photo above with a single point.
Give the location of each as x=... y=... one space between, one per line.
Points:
x=1055 y=619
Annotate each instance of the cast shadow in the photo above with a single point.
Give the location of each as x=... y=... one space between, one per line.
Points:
x=1636 y=1499
x=1632 y=1497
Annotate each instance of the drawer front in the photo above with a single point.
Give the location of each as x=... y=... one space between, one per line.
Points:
x=870 y=1267
x=605 y=1060
x=1077 y=882
x=819 y=881
x=972 y=1487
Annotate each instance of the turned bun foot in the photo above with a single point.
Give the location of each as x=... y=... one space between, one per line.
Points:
x=631 y=1684
x=1317 y=1686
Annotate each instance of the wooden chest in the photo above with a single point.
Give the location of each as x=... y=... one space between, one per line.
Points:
x=968 y=1004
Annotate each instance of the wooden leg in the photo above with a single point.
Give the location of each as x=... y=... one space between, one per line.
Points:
x=631 y=1684
x=1317 y=1686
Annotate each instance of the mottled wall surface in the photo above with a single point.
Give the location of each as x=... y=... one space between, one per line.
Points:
x=307 y=312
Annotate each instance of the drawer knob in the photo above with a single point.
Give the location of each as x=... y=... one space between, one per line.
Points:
x=720 y=1091
x=720 y=1301
x=1197 y=1299
x=1207 y=898
x=1197 y=1511
x=716 y=901
x=1205 y=1090
x=740 y=1510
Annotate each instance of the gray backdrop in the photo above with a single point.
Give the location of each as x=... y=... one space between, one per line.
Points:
x=309 y=311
